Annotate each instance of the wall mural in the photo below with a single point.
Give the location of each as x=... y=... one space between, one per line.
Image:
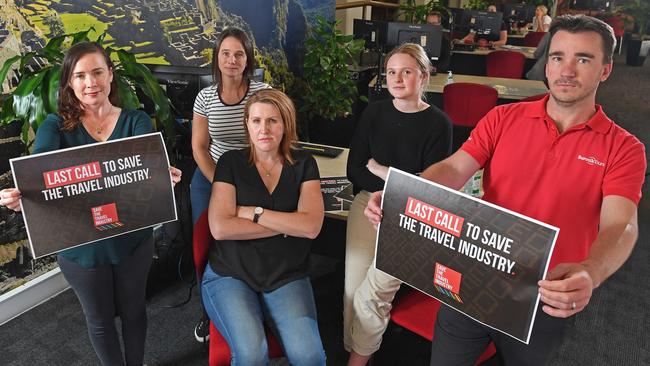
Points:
x=166 y=32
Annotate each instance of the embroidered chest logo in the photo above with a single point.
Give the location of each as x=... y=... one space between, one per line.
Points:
x=591 y=160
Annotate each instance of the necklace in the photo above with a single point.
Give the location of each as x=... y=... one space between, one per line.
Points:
x=267 y=172
x=99 y=129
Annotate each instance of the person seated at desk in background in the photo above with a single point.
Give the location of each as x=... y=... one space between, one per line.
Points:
x=442 y=65
x=266 y=206
x=408 y=134
x=503 y=33
x=542 y=21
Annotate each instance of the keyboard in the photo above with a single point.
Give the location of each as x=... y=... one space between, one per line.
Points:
x=464 y=47
x=321 y=150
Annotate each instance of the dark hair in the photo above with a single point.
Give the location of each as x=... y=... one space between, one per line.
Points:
x=435 y=13
x=582 y=23
x=287 y=111
x=241 y=36
x=69 y=106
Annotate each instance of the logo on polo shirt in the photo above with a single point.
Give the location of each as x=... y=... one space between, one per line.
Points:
x=590 y=160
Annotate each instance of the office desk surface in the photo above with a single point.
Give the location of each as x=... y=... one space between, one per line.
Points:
x=334 y=167
x=527 y=51
x=514 y=89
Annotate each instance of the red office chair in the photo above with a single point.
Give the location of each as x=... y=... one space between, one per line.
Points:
x=618 y=24
x=219 y=350
x=533 y=98
x=532 y=39
x=505 y=64
x=466 y=104
x=417 y=312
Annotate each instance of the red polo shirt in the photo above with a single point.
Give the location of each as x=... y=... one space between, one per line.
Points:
x=560 y=179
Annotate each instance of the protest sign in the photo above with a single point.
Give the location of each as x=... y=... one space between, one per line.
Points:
x=79 y=195
x=478 y=258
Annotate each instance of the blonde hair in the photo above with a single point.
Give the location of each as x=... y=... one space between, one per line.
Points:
x=419 y=55
x=543 y=8
x=287 y=111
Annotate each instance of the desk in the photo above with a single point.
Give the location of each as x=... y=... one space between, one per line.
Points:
x=509 y=90
x=515 y=39
x=334 y=167
x=473 y=62
x=527 y=51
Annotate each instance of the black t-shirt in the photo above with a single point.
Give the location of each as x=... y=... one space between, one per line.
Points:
x=407 y=141
x=266 y=263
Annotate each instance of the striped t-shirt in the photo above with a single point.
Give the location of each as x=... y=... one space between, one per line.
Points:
x=225 y=121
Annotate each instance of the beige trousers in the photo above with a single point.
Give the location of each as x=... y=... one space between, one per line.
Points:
x=368 y=292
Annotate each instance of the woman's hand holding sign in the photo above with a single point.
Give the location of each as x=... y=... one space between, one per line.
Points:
x=10 y=198
x=175 y=174
x=373 y=210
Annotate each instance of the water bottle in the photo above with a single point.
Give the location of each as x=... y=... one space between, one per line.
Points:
x=450 y=78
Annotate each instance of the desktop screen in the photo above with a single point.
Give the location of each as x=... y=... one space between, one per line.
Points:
x=426 y=35
x=181 y=84
x=486 y=24
x=519 y=12
x=373 y=32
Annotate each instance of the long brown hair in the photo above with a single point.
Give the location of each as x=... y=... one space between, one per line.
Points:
x=69 y=106
x=288 y=113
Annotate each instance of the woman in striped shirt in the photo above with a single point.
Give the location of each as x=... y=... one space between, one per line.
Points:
x=218 y=121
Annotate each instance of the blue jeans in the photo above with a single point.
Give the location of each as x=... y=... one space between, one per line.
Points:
x=200 y=190
x=239 y=313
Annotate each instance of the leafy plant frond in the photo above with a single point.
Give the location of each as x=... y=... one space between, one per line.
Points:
x=36 y=94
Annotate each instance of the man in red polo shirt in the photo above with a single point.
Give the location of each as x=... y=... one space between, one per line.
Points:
x=562 y=161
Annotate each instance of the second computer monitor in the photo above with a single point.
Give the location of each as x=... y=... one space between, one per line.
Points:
x=519 y=12
x=485 y=24
x=426 y=35
x=371 y=31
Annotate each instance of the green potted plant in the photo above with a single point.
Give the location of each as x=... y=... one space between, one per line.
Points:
x=413 y=13
x=36 y=93
x=476 y=5
x=328 y=91
x=25 y=108
x=638 y=45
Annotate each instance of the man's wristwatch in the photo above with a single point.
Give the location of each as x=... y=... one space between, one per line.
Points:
x=257 y=213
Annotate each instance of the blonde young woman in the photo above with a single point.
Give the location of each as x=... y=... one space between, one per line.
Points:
x=265 y=208
x=542 y=21
x=406 y=133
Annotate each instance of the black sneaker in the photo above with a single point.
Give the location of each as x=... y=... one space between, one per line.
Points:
x=202 y=330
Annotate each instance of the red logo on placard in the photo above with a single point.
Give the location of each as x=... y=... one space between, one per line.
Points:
x=105 y=217
x=71 y=175
x=447 y=278
x=433 y=216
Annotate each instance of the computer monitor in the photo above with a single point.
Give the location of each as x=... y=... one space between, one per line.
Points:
x=373 y=32
x=426 y=35
x=456 y=16
x=181 y=84
x=485 y=24
x=523 y=13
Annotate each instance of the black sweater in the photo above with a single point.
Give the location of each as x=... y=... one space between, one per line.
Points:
x=407 y=141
